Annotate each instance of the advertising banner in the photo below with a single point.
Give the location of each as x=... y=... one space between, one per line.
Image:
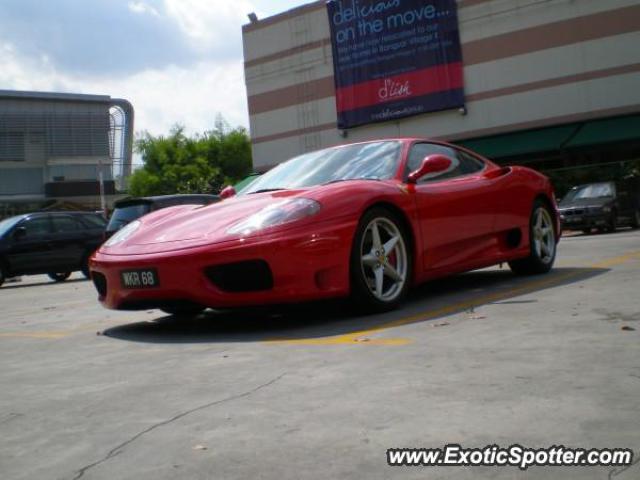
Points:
x=394 y=58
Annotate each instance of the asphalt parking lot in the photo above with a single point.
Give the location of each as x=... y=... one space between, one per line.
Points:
x=312 y=392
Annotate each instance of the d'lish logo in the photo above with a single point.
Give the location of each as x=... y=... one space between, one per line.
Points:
x=392 y=89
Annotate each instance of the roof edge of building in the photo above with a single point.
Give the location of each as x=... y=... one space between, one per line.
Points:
x=33 y=95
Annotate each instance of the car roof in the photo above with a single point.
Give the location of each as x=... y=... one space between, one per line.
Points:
x=22 y=216
x=73 y=212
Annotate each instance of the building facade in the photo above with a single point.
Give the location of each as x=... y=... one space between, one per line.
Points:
x=54 y=147
x=553 y=83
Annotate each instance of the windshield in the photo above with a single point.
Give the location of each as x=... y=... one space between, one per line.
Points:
x=123 y=215
x=365 y=161
x=7 y=224
x=595 y=190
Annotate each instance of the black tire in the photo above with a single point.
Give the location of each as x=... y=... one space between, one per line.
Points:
x=186 y=310
x=59 y=277
x=635 y=219
x=3 y=274
x=84 y=267
x=398 y=262
x=613 y=222
x=586 y=231
x=538 y=261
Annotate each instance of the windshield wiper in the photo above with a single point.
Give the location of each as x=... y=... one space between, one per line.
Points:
x=267 y=190
x=347 y=179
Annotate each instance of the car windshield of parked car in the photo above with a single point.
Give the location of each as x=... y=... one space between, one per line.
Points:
x=596 y=190
x=7 y=224
x=365 y=161
x=126 y=214
x=95 y=220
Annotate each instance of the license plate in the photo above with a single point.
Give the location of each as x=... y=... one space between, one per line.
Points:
x=575 y=219
x=141 y=278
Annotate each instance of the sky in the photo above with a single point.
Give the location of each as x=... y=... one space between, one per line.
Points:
x=177 y=61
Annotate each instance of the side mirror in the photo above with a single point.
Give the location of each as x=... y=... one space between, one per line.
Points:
x=431 y=164
x=227 y=192
x=19 y=233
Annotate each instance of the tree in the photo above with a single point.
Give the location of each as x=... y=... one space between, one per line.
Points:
x=203 y=163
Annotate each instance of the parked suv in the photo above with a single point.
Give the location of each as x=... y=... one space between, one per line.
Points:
x=603 y=205
x=55 y=243
x=129 y=209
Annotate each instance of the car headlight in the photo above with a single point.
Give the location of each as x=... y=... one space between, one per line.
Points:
x=280 y=213
x=122 y=234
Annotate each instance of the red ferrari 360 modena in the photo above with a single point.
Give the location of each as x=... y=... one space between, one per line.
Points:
x=365 y=220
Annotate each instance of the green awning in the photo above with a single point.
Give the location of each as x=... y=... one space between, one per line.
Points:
x=555 y=139
x=521 y=143
x=609 y=130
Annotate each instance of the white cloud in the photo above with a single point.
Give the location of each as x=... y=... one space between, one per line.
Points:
x=142 y=8
x=189 y=96
x=209 y=23
x=161 y=97
x=177 y=61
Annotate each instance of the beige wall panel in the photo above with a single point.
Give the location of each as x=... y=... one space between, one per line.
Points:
x=283 y=72
x=476 y=22
x=286 y=34
x=499 y=113
x=285 y=119
x=553 y=63
x=503 y=16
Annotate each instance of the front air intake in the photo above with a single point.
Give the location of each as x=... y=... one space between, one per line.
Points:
x=247 y=276
x=100 y=282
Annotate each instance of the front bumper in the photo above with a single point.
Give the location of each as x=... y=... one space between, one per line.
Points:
x=305 y=265
x=584 y=221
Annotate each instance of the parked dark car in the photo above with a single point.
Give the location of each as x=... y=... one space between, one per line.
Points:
x=130 y=209
x=603 y=205
x=55 y=243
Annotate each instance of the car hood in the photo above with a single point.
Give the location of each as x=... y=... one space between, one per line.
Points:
x=187 y=226
x=183 y=227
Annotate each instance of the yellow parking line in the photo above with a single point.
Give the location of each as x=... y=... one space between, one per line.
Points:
x=345 y=339
x=48 y=335
x=51 y=335
x=362 y=337
x=612 y=262
x=359 y=336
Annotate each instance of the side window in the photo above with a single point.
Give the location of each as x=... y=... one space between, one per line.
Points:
x=462 y=163
x=66 y=224
x=468 y=163
x=37 y=227
x=94 y=221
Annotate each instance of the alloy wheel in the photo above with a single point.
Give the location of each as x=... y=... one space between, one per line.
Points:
x=384 y=260
x=544 y=240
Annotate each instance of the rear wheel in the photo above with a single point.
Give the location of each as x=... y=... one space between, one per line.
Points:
x=635 y=219
x=59 y=277
x=586 y=231
x=84 y=267
x=3 y=274
x=542 y=241
x=380 y=262
x=613 y=222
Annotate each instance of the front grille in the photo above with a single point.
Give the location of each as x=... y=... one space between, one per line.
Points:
x=573 y=211
x=248 y=276
x=100 y=282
